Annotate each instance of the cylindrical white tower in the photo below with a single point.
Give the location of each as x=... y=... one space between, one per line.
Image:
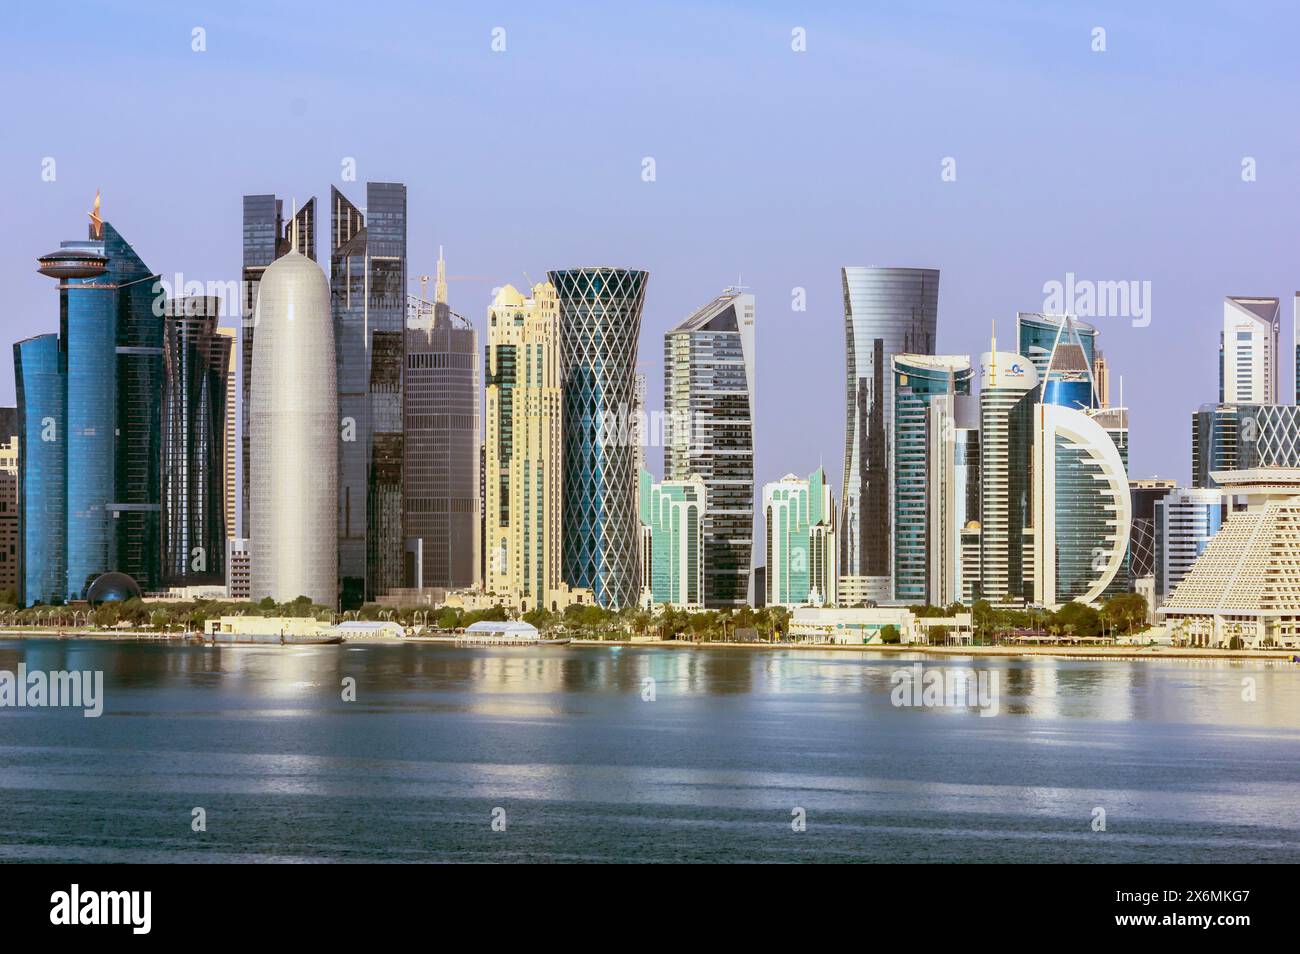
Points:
x=294 y=436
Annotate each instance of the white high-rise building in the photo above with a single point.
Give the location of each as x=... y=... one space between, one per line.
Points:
x=1249 y=351
x=1185 y=521
x=295 y=436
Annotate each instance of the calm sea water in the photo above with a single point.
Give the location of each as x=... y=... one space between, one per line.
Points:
x=561 y=739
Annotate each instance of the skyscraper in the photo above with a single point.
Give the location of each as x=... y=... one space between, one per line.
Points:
x=103 y=416
x=953 y=491
x=1241 y=437
x=672 y=519
x=1249 y=350
x=295 y=438
x=196 y=367
x=1143 y=495
x=368 y=296
x=709 y=389
x=1185 y=521
x=887 y=311
x=266 y=238
x=10 y=548
x=1008 y=393
x=440 y=469
x=42 y=469
x=800 y=541
x=1081 y=507
x=917 y=380
x=525 y=450
x=600 y=323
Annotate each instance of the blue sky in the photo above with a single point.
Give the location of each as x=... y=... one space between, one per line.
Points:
x=773 y=166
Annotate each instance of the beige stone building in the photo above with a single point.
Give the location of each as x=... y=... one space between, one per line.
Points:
x=525 y=453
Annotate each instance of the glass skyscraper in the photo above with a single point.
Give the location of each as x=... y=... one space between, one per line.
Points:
x=1081 y=507
x=266 y=238
x=887 y=311
x=1185 y=521
x=42 y=471
x=709 y=391
x=440 y=471
x=368 y=299
x=106 y=419
x=600 y=323
x=917 y=379
x=195 y=364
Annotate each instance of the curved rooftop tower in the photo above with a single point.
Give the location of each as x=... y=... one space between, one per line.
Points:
x=294 y=444
x=887 y=311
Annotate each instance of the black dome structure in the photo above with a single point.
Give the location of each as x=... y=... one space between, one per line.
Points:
x=112 y=587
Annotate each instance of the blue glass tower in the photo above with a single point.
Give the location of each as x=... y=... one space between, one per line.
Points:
x=600 y=323
x=106 y=419
x=42 y=518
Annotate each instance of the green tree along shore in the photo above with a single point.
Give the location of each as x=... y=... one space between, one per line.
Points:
x=1121 y=615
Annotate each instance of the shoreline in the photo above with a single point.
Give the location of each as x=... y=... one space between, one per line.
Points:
x=1061 y=652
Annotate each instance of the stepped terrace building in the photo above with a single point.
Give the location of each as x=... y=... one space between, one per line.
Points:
x=1244 y=590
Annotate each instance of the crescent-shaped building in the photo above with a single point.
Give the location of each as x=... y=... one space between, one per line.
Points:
x=294 y=444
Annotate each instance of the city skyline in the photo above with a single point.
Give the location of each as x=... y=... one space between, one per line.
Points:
x=1119 y=222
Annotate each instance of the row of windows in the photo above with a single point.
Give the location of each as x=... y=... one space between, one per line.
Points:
x=437 y=360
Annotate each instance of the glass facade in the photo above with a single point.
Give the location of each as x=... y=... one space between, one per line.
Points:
x=887 y=311
x=916 y=380
x=42 y=476
x=368 y=296
x=1082 y=510
x=1242 y=436
x=110 y=362
x=195 y=360
x=1040 y=336
x=673 y=514
x=600 y=324
x=799 y=520
x=440 y=471
x=709 y=420
x=1185 y=521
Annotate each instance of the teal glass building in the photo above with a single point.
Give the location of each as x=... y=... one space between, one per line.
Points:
x=672 y=556
x=917 y=379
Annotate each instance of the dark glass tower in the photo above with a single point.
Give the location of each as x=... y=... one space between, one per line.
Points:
x=195 y=359
x=887 y=311
x=600 y=323
x=441 y=447
x=42 y=479
x=709 y=407
x=368 y=299
x=266 y=238
x=108 y=424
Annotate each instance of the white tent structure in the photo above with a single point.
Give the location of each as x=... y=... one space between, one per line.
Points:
x=503 y=630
